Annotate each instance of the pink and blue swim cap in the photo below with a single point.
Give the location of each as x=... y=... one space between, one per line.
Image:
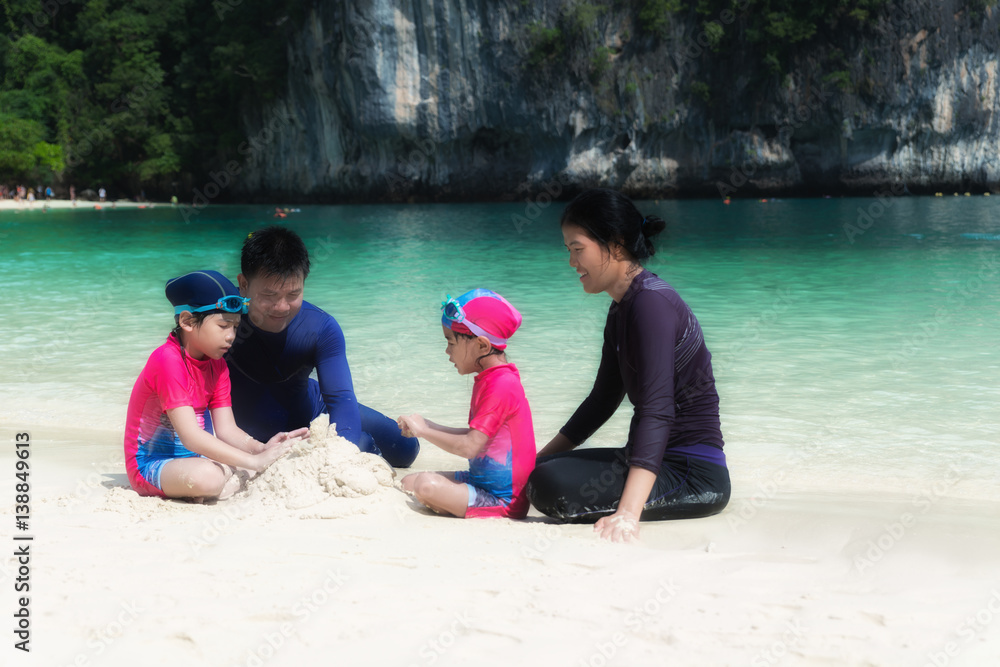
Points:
x=481 y=312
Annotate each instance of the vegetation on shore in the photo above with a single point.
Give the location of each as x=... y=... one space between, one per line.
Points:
x=148 y=95
x=133 y=94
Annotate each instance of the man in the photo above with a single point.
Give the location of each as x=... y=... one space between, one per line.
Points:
x=282 y=340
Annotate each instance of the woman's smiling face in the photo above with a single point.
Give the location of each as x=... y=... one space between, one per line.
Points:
x=597 y=267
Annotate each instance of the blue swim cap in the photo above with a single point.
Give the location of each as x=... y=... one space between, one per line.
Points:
x=201 y=291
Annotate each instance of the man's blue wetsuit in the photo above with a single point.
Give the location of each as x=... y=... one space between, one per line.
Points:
x=272 y=390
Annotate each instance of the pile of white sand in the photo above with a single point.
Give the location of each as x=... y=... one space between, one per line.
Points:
x=323 y=477
x=324 y=467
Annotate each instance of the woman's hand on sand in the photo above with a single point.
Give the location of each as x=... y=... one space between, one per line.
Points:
x=622 y=526
x=411 y=426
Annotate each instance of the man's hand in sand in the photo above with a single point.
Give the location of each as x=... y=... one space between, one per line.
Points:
x=622 y=526
x=412 y=425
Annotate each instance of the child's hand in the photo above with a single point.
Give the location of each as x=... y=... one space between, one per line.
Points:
x=274 y=450
x=412 y=425
x=286 y=436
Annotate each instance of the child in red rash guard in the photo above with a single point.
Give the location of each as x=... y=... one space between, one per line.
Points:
x=500 y=440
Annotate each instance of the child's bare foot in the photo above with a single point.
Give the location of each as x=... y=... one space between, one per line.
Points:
x=236 y=482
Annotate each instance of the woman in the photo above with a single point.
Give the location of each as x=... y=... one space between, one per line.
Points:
x=672 y=466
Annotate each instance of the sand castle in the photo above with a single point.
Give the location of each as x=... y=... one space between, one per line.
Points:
x=323 y=467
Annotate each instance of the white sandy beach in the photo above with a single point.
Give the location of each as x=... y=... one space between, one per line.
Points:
x=864 y=527
x=82 y=204
x=784 y=576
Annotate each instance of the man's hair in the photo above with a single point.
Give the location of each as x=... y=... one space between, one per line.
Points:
x=274 y=251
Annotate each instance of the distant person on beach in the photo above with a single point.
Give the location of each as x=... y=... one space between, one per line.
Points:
x=72 y=195
x=101 y=193
x=283 y=340
x=672 y=466
x=499 y=440
x=181 y=440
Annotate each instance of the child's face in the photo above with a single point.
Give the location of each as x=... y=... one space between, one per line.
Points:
x=213 y=337
x=462 y=352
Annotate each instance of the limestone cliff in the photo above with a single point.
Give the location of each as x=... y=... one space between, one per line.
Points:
x=464 y=99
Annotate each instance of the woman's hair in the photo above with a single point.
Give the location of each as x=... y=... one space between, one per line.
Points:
x=609 y=217
x=493 y=351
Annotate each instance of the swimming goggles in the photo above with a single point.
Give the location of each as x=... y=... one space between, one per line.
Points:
x=229 y=304
x=453 y=311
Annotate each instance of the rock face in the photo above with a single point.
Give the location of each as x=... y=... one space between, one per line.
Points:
x=457 y=99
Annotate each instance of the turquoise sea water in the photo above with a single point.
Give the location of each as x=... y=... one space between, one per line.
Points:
x=849 y=351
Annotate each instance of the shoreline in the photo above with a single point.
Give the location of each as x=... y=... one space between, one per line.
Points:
x=83 y=205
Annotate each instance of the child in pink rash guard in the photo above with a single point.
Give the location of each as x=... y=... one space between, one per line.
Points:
x=500 y=439
x=181 y=440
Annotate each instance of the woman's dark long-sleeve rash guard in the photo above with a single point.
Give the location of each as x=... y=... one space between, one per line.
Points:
x=270 y=376
x=655 y=354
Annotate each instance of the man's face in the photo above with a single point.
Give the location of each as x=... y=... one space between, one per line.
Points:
x=274 y=301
